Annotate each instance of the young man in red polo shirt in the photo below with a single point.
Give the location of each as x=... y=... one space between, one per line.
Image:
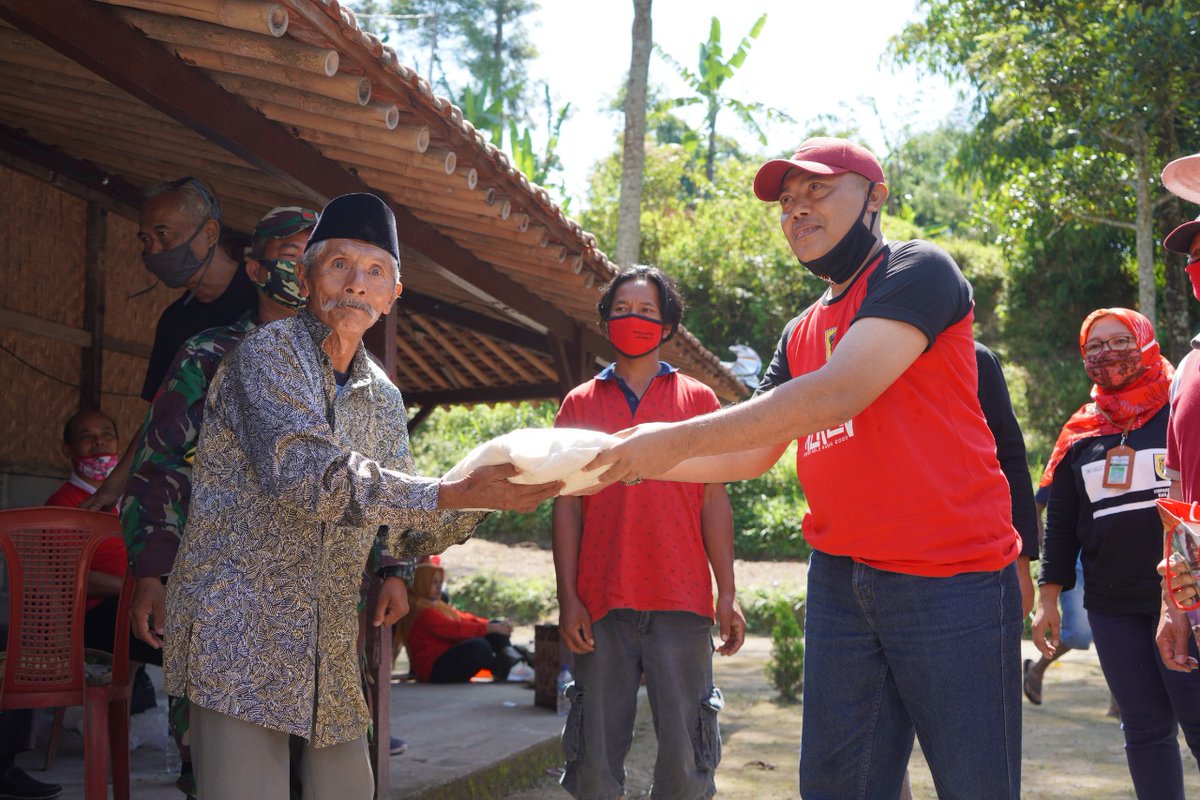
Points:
x=634 y=588
x=914 y=610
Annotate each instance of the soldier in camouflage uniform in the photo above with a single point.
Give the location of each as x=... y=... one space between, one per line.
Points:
x=156 y=498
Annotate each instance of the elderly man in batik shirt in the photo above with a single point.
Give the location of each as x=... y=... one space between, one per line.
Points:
x=155 y=505
x=304 y=453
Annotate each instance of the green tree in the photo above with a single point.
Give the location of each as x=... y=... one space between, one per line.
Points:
x=1081 y=104
x=712 y=71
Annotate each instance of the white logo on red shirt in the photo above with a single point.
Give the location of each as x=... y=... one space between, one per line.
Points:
x=816 y=442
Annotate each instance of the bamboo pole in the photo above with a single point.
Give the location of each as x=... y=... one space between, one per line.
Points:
x=174 y=30
x=247 y=15
x=404 y=142
x=489 y=234
x=481 y=227
x=343 y=86
x=407 y=181
x=491 y=215
x=308 y=102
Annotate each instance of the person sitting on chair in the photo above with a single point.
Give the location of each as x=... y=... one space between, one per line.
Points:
x=446 y=645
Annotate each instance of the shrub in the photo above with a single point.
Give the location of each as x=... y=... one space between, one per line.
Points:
x=760 y=606
x=768 y=512
x=525 y=602
x=785 y=670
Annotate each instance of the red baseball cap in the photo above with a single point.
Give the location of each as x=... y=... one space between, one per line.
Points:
x=822 y=155
x=1180 y=240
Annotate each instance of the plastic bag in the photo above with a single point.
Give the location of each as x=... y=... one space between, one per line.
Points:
x=1181 y=535
x=542 y=455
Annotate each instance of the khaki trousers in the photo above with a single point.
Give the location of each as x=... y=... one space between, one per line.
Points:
x=238 y=760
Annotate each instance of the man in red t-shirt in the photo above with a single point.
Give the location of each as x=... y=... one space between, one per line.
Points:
x=632 y=563
x=914 y=609
x=90 y=442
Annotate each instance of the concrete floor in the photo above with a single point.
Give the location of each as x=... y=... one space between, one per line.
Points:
x=474 y=740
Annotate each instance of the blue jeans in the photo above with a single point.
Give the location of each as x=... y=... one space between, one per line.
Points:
x=887 y=655
x=1076 y=632
x=1151 y=699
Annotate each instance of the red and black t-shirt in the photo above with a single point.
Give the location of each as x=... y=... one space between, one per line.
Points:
x=911 y=484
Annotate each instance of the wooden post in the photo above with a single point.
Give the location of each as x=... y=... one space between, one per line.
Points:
x=381 y=341
x=91 y=368
x=379 y=694
x=422 y=414
x=569 y=360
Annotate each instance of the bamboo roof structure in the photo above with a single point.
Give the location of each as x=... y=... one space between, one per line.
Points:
x=292 y=102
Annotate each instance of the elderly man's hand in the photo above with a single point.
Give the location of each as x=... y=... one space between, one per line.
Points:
x=392 y=603
x=490 y=487
x=647 y=451
x=149 y=602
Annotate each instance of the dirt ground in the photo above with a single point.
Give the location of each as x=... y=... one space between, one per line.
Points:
x=530 y=561
x=1071 y=749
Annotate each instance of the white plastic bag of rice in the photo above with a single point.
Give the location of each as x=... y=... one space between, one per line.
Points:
x=542 y=455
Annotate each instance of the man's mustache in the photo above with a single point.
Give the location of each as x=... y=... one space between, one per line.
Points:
x=347 y=302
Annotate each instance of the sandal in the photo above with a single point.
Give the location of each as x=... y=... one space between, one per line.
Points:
x=1032 y=687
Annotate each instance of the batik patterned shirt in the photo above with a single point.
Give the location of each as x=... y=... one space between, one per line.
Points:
x=292 y=480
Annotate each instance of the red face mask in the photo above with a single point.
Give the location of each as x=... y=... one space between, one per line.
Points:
x=1193 y=271
x=633 y=335
x=1114 y=371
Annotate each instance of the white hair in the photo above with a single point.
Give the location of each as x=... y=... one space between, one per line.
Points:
x=312 y=257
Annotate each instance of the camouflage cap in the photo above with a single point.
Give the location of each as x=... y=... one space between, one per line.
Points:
x=282 y=222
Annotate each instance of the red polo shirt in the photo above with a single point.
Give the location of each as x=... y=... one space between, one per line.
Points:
x=642 y=546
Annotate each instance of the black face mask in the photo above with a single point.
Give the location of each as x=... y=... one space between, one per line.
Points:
x=841 y=262
x=175 y=266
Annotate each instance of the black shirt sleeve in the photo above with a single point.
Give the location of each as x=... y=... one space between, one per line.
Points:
x=920 y=284
x=1061 y=547
x=778 y=372
x=1010 y=447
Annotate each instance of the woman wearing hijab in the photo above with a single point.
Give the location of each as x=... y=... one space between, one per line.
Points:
x=1105 y=473
x=446 y=645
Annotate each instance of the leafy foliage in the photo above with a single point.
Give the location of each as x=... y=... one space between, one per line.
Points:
x=760 y=607
x=712 y=71
x=785 y=669
x=1080 y=105
x=525 y=602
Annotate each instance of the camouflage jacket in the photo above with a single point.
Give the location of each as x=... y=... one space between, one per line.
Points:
x=292 y=480
x=156 y=497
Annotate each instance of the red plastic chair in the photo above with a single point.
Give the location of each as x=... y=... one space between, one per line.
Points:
x=47 y=551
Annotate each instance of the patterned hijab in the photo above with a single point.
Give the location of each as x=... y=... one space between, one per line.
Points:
x=1122 y=410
